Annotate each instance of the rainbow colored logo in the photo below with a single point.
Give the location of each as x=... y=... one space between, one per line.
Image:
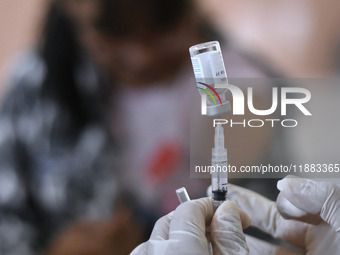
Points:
x=209 y=93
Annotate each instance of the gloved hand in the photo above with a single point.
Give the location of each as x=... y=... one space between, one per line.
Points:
x=184 y=230
x=313 y=201
x=302 y=199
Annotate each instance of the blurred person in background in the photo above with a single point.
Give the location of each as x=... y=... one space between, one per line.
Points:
x=94 y=126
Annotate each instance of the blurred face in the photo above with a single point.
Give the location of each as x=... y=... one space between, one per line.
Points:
x=136 y=58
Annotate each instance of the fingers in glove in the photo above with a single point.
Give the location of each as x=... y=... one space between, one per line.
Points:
x=161 y=229
x=260 y=247
x=191 y=218
x=160 y=232
x=227 y=229
x=321 y=198
x=265 y=216
x=290 y=211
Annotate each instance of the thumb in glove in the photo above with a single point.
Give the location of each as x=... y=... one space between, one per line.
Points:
x=310 y=201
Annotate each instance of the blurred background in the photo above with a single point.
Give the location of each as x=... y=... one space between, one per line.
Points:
x=301 y=38
x=297 y=39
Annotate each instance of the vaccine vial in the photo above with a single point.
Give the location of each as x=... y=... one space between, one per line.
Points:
x=209 y=70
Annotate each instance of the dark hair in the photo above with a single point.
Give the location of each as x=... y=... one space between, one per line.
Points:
x=121 y=17
x=61 y=53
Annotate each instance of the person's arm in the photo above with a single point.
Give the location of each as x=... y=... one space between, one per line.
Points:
x=17 y=229
x=19 y=233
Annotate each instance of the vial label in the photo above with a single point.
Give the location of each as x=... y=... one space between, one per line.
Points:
x=217 y=68
x=197 y=66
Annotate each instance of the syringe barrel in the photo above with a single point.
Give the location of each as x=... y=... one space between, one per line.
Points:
x=219 y=163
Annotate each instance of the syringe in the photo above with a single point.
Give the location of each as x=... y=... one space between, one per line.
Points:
x=209 y=70
x=219 y=162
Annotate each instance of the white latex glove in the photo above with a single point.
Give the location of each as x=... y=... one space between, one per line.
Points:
x=311 y=197
x=309 y=200
x=184 y=230
x=315 y=202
